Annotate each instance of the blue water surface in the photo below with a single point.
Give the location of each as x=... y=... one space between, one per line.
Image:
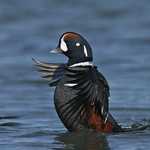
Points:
x=119 y=33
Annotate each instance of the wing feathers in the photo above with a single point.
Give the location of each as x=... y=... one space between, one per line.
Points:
x=92 y=90
x=49 y=71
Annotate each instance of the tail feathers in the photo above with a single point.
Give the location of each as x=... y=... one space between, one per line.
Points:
x=132 y=129
x=50 y=71
x=119 y=128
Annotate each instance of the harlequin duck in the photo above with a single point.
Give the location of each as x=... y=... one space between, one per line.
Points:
x=82 y=93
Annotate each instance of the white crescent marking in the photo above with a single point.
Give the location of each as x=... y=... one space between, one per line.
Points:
x=63 y=45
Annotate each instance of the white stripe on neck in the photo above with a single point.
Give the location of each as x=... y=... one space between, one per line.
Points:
x=87 y=63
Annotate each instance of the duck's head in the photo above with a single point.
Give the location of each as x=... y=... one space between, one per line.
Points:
x=75 y=47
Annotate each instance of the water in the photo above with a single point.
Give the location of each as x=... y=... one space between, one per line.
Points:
x=119 y=32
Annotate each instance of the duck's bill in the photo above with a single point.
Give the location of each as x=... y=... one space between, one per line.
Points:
x=56 y=50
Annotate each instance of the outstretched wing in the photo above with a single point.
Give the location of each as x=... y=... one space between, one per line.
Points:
x=50 y=71
x=92 y=91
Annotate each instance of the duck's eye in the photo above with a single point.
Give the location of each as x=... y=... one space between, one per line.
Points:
x=77 y=44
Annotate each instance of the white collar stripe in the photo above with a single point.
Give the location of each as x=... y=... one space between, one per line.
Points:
x=87 y=63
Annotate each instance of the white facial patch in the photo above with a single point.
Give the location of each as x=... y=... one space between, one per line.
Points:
x=63 y=45
x=85 y=51
x=77 y=44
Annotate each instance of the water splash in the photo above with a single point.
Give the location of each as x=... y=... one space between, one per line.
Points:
x=142 y=125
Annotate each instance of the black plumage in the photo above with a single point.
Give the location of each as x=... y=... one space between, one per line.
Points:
x=89 y=88
x=78 y=88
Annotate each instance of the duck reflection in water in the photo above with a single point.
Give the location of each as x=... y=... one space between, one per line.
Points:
x=84 y=140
